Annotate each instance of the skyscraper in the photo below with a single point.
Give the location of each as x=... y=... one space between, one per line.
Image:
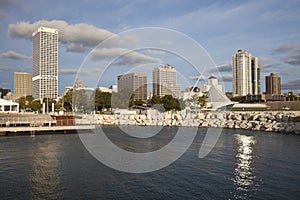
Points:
x=45 y=63
x=255 y=76
x=245 y=73
x=273 y=84
x=164 y=81
x=135 y=83
x=22 y=84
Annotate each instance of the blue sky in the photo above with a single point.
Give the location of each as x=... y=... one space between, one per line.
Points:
x=269 y=30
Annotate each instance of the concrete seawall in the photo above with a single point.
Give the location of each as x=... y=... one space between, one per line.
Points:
x=274 y=121
x=281 y=121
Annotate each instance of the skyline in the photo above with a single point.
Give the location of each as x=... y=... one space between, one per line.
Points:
x=268 y=30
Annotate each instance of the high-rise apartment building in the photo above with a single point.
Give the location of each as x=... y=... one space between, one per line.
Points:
x=255 y=73
x=135 y=83
x=273 y=84
x=45 y=63
x=22 y=84
x=164 y=81
x=246 y=74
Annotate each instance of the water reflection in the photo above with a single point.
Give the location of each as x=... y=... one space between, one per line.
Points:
x=244 y=179
x=44 y=177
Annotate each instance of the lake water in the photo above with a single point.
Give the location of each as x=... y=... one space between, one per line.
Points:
x=242 y=165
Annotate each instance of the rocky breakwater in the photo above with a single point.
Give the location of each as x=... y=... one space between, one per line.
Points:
x=262 y=121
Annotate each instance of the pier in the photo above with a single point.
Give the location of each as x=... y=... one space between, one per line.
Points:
x=44 y=130
x=32 y=124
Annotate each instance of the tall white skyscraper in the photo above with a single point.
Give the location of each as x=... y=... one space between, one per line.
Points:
x=45 y=63
x=245 y=73
x=164 y=81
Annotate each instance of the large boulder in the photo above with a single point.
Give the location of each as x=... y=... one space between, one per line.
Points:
x=246 y=116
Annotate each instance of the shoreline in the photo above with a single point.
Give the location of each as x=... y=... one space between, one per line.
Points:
x=273 y=121
x=72 y=132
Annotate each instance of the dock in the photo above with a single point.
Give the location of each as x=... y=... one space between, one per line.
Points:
x=27 y=130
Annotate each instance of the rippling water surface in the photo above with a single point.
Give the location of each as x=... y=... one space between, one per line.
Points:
x=242 y=165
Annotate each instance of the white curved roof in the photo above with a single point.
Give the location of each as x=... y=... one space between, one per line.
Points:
x=6 y=103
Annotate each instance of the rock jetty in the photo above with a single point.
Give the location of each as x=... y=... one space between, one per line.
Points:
x=281 y=121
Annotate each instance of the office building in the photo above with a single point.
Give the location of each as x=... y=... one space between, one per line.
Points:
x=135 y=83
x=22 y=85
x=164 y=81
x=45 y=63
x=246 y=74
x=273 y=84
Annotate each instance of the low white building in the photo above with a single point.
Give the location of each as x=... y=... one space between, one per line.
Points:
x=105 y=89
x=124 y=112
x=8 y=106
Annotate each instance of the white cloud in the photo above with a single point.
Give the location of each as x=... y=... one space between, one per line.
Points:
x=13 y=55
x=225 y=77
x=292 y=59
x=4 y=68
x=107 y=53
x=122 y=56
x=81 y=72
x=291 y=85
x=286 y=48
x=77 y=37
x=201 y=77
x=154 y=52
x=291 y=53
x=222 y=67
x=75 y=47
x=68 y=71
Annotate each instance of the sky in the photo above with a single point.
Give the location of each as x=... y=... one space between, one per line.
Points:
x=99 y=40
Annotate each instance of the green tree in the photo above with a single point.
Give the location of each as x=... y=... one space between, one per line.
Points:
x=170 y=103
x=181 y=104
x=29 y=99
x=166 y=103
x=102 y=100
x=58 y=105
x=201 y=100
x=83 y=100
x=36 y=105
x=122 y=99
x=67 y=101
x=138 y=103
x=22 y=103
x=154 y=100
